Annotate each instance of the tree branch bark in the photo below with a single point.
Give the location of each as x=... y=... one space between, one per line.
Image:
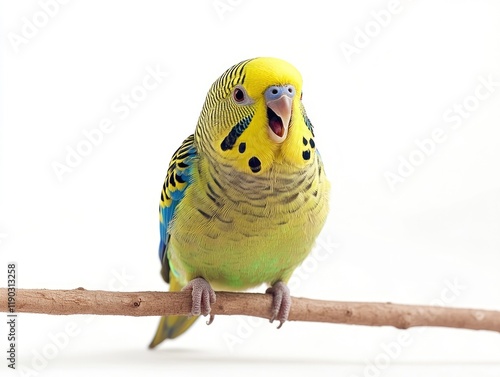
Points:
x=81 y=301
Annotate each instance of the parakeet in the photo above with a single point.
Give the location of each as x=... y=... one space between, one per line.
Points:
x=245 y=196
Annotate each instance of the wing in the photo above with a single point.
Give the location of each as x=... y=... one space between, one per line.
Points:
x=177 y=180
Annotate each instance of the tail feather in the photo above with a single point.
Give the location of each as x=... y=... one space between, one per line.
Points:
x=172 y=326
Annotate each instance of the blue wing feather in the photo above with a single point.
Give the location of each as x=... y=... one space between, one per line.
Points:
x=177 y=180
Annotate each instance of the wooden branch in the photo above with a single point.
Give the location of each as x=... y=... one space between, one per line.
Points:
x=81 y=301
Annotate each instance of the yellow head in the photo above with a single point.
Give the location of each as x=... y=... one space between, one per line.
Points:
x=253 y=118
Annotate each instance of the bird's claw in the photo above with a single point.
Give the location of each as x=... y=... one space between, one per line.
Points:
x=210 y=319
x=203 y=296
x=282 y=302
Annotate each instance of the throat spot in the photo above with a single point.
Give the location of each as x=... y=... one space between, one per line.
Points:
x=254 y=164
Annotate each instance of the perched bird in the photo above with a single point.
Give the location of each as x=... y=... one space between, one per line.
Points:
x=245 y=196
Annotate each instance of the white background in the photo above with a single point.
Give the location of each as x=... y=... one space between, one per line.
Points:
x=438 y=228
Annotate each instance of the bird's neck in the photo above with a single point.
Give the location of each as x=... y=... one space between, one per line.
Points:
x=279 y=177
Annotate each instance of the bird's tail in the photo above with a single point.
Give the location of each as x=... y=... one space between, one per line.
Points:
x=172 y=326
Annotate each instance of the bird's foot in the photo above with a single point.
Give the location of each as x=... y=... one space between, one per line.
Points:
x=281 y=302
x=203 y=296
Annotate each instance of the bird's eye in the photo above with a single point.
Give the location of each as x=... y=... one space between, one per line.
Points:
x=301 y=94
x=238 y=95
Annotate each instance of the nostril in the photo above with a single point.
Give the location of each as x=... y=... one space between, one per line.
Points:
x=276 y=91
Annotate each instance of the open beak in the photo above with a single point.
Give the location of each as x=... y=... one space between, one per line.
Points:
x=279 y=112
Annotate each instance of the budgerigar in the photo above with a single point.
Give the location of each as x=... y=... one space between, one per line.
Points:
x=245 y=196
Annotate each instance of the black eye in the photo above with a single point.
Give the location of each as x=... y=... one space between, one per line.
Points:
x=301 y=95
x=238 y=95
